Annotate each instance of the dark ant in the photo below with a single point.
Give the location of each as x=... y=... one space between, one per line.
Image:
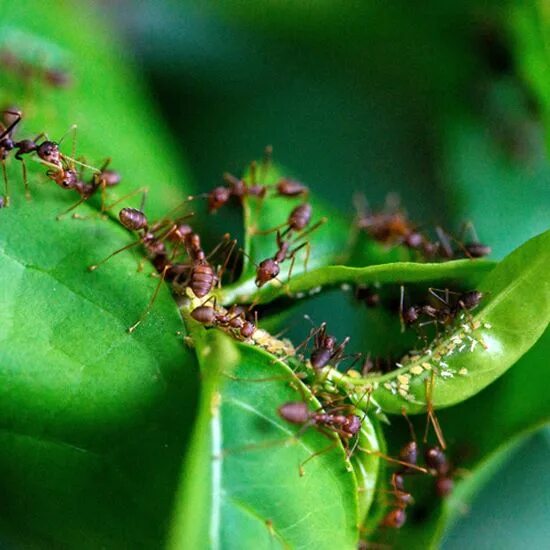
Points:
x=234 y=318
x=445 y=310
x=239 y=188
x=394 y=228
x=368 y=295
x=291 y=188
x=346 y=426
x=55 y=77
x=269 y=268
x=471 y=249
x=11 y=119
x=397 y=517
x=326 y=348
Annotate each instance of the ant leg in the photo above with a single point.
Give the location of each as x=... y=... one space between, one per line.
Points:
x=222 y=269
x=127 y=196
x=105 y=164
x=317 y=453
x=8 y=130
x=225 y=240
x=78 y=203
x=431 y=417
x=445 y=242
x=394 y=460
x=401 y=305
x=313 y=228
x=151 y=301
x=6 y=186
x=131 y=245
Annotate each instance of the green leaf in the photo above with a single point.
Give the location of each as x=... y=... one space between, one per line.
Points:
x=508 y=411
x=93 y=421
x=243 y=487
x=511 y=317
x=106 y=101
x=329 y=276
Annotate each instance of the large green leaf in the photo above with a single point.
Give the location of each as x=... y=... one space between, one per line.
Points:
x=514 y=313
x=93 y=421
x=242 y=485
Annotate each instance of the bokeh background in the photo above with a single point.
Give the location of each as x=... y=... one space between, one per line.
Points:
x=445 y=102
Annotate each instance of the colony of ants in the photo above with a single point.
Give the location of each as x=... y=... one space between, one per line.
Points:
x=176 y=252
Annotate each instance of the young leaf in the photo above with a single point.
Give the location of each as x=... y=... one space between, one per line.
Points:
x=513 y=314
x=333 y=275
x=250 y=487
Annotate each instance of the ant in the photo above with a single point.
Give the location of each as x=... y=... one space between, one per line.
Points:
x=397 y=517
x=393 y=227
x=269 y=268
x=326 y=348
x=11 y=119
x=239 y=188
x=368 y=295
x=55 y=77
x=234 y=318
x=445 y=310
x=471 y=249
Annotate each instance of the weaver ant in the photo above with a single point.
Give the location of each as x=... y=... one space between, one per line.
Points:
x=471 y=249
x=444 y=311
x=233 y=319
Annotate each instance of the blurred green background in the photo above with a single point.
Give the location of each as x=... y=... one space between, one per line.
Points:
x=445 y=102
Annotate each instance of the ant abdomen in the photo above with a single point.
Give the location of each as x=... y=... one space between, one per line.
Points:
x=132 y=219
x=204 y=314
x=295 y=412
x=409 y=453
x=300 y=217
x=203 y=280
x=291 y=188
x=395 y=519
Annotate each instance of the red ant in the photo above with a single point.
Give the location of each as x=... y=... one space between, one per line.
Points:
x=397 y=517
x=55 y=77
x=239 y=188
x=269 y=268
x=326 y=348
x=445 y=311
x=234 y=319
x=472 y=249
x=394 y=228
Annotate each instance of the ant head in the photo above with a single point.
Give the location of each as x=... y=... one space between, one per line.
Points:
x=218 y=197
x=395 y=518
x=132 y=219
x=266 y=271
x=471 y=298
x=248 y=329
x=435 y=458
x=410 y=315
x=49 y=152
x=414 y=240
x=444 y=486
x=353 y=424
x=204 y=314
x=295 y=412
x=69 y=179
x=182 y=231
